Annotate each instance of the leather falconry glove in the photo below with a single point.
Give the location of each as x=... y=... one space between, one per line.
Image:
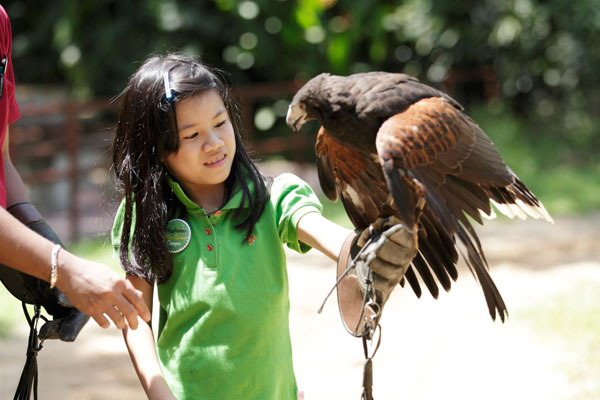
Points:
x=387 y=248
x=370 y=266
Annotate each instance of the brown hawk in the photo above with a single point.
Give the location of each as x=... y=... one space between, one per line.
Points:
x=391 y=145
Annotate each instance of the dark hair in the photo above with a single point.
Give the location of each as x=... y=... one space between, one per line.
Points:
x=146 y=133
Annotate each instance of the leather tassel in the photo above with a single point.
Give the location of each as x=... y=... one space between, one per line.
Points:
x=367 y=393
x=29 y=376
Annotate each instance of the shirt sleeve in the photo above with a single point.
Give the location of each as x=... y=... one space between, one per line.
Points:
x=117 y=229
x=292 y=199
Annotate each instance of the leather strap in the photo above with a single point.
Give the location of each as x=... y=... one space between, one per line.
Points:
x=349 y=295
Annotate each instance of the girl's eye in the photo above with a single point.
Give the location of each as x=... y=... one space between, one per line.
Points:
x=193 y=135
x=220 y=124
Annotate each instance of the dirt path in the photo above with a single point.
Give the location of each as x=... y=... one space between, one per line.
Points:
x=447 y=348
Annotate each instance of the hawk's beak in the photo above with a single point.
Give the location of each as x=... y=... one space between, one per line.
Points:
x=296 y=116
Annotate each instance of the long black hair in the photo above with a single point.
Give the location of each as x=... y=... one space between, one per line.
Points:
x=146 y=133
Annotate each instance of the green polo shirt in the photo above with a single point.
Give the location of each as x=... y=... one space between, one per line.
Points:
x=223 y=326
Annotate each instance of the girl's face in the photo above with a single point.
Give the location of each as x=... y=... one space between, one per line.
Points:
x=207 y=144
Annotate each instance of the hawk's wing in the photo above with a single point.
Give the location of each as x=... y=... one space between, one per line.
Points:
x=443 y=147
x=355 y=177
x=437 y=145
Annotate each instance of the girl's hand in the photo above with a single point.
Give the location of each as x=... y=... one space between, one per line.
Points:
x=98 y=291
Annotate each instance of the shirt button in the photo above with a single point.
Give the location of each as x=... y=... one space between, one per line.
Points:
x=217 y=213
x=207 y=230
x=210 y=247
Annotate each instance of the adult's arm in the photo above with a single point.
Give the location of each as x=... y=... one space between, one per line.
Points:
x=93 y=288
x=15 y=189
x=142 y=350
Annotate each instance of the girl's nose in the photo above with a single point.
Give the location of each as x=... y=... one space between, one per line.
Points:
x=212 y=144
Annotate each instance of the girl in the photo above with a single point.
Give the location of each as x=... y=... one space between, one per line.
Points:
x=199 y=219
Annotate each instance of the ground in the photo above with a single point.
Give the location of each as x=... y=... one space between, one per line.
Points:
x=446 y=348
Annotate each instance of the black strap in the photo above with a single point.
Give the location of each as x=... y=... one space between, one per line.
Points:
x=16 y=205
x=25 y=212
x=29 y=377
x=367 y=393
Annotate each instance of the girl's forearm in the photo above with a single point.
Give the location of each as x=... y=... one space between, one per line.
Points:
x=322 y=234
x=142 y=351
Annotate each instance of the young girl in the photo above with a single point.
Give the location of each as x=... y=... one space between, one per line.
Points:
x=199 y=220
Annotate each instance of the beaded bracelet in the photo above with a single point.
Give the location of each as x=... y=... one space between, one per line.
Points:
x=54 y=265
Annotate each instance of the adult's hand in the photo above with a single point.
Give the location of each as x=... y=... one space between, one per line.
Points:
x=93 y=288
x=98 y=291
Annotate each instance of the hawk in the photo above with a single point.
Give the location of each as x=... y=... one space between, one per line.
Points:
x=390 y=145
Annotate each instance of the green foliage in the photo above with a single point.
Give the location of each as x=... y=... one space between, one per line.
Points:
x=535 y=48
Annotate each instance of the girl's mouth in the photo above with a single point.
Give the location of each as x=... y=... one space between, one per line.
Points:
x=217 y=161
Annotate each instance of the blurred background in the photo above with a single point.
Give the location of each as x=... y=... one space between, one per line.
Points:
x=525 y=70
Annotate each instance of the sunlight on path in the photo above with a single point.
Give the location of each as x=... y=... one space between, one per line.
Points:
x=430 y=349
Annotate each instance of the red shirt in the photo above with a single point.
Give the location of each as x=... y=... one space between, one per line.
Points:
x=9 y=109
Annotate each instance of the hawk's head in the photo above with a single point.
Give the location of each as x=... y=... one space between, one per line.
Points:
x=306 y=103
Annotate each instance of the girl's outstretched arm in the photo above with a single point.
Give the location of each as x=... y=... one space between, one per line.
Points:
x=142 y=350
x=322 y=234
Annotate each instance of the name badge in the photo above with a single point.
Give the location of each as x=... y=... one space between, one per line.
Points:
x=178 y=235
